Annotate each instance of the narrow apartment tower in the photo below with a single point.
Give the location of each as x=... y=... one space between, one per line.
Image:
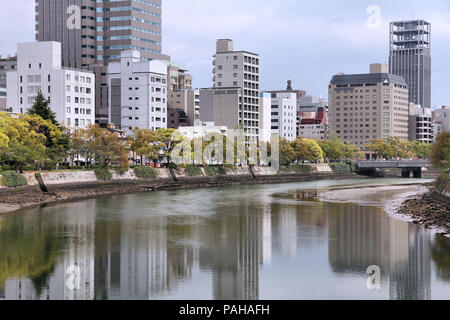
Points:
x=238 y=71
x=410 y=58
x=94 y=33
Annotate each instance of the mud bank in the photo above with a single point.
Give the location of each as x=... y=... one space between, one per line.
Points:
x=429 y=209
x=12 y=199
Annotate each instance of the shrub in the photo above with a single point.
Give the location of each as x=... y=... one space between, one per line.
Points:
x=351 y=164
x=193 y=171
x=340 y=167
x=102 y=173
x=442 y=182
x=210 y=171
x=173 y=166
x=13 y=179
x=304 y=168
x=222 y=171
x=143 y=172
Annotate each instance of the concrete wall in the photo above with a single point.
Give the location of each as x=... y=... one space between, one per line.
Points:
x=80 y=177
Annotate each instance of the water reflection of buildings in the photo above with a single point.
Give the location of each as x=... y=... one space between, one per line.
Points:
x=359 y=238
x=77 y=251
x=235 y=253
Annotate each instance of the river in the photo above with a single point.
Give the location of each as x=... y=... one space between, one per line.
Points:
x=313 y=240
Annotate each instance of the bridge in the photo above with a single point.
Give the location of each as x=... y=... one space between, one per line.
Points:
x=407 y=166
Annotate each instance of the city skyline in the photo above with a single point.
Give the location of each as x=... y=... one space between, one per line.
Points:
x=337 y=38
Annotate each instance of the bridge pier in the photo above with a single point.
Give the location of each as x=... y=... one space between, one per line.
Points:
x=417 y=172
x=406 y=173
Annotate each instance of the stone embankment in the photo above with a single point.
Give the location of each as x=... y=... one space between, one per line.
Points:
x=76 y=185
x=431 y=209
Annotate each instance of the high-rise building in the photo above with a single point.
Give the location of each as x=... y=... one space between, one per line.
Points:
x=6 y=64
x=369 y=106
x=71 y=91
x=93 y=33
x=410 y=58
x=138 y=93
x=239 y=69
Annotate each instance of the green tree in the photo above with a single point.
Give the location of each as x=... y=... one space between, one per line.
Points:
x=106 y=147
x=169 y=139
x=146 y=143
x=41 y=107
x=420 y=149
x=333 y=149
x=287 y=152
x=306 y=149
x=440 y=152
x=23 y=143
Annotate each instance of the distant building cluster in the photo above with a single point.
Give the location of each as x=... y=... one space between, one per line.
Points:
x=111 y=71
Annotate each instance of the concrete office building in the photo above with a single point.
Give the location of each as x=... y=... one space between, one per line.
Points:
x=138 y=93
x=265 y=109
x=222 y=106
x=420 y=124
x=410 y=58
x=71 y=91
x=284 y=115
x=441 y=120
x=102 y=31
x=6 y=64
x=369 y=106
x=238 y=69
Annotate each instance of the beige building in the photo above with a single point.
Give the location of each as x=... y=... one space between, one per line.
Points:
x=369 y=106
x=180 y=95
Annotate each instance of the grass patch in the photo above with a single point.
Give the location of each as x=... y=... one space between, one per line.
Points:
x=210 y=171
x=193 y=171
x=103 y=173
x=144 y=172
x=12 y=179
x=340 y=167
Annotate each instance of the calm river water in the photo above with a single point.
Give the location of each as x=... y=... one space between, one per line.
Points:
x=247 y=242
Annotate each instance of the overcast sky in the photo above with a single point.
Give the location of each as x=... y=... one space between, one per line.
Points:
x=304 y=41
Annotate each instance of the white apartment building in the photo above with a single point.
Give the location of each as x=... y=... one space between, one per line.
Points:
x=420 y=124
x=265 y=111
x=284 y=115
x=239 y=69
x=71 y=91
x=441 y=121
x=137 y=93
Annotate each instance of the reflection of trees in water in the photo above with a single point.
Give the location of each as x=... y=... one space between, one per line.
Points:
x=28 y=249
x=440 y=253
